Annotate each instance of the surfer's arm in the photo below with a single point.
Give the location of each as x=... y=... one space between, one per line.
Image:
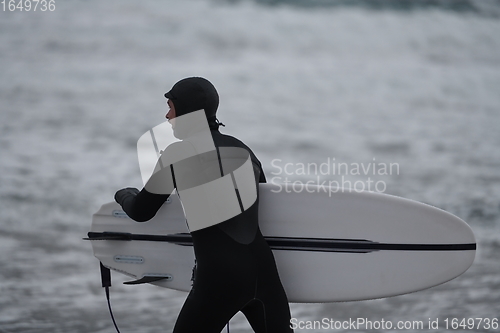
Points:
x=140 y=206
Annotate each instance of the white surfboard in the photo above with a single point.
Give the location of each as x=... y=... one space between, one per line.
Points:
x=342 y=246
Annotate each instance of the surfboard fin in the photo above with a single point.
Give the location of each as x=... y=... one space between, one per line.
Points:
x=149 y=279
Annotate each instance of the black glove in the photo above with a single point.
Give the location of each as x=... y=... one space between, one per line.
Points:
x=125 y=193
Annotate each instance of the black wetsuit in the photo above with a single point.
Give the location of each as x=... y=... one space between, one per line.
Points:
x=235 y=268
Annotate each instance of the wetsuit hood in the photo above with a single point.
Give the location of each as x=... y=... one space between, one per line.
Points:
x=192 y=94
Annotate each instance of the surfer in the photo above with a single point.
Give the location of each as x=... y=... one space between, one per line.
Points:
x=235 y=268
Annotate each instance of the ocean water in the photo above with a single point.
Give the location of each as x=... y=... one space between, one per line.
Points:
x=362 y=82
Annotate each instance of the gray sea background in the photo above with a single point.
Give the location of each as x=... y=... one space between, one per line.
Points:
x=415 y=83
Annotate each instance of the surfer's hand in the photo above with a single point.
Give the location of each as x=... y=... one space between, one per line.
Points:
x=122 y=194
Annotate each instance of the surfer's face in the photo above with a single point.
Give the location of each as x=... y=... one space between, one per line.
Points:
x=171 y=111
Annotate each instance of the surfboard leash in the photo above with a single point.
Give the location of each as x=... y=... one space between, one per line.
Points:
x=106 y=283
